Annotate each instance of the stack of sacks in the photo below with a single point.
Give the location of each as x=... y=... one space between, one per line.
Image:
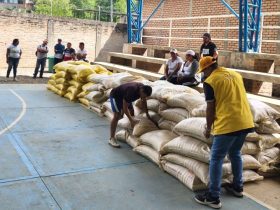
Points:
x=264 y=144
x=267 y=137
x=93 y=95
x=77 y=72
x=58 y=82
x=187 y=157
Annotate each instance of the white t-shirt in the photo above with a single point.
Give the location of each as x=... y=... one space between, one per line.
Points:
x=172 y=64
x=14 y=51
x=82 y=52
x=41 y=55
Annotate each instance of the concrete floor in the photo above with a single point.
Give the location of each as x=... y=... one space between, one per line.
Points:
x=56 y=156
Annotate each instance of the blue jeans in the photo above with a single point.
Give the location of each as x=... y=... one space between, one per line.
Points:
x=40 y=62
x=12 y=64
x=223 y=145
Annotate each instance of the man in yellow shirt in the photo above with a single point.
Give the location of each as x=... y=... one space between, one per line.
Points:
x=229 y=119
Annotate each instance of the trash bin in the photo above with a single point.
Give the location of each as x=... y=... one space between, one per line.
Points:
x=51 y=64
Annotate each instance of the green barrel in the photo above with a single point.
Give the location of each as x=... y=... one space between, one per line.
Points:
x=51 y=64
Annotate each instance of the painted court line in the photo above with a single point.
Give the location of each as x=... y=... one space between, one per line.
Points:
x=22 y=113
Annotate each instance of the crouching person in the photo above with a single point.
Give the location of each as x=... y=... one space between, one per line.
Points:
x=121 y=101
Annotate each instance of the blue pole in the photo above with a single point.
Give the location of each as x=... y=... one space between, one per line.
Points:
x=129 y=26
x=230 y=8
x=140 y=9
x=153 y=13
x=258 y=26
x=240 y=41
x=245 y=49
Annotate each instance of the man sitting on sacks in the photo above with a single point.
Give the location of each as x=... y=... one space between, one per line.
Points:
x=229 y=119
x=121 y=99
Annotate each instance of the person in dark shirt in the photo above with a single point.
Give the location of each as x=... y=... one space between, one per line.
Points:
x=121 y=99
x=208 y=48
x=58 y=50
x=69 y=53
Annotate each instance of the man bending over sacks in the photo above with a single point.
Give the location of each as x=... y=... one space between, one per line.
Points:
x=121 y=99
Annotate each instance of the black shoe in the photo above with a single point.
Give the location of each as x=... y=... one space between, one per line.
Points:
x=234 y=191
x=208 y=200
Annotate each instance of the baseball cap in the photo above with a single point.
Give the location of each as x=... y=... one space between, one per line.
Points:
x=190 y=52
x=205 y=62
x=173 y=51
x=207 y=35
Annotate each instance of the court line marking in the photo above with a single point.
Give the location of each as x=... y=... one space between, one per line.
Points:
x=22 y=113
x=259 y=201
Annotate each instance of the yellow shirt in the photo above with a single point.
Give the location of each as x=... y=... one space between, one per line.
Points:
x=232 y=112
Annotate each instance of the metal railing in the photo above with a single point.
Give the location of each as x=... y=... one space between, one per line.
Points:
x=208 y=28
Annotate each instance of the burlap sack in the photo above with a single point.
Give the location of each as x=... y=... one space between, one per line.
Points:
x=175 y=114
x=84 y=101
x=199 y=111
x=144 y=126
x=155 y=116
x=184 y=175
x=269 y=155
x=133 y=141
x=262 y=112
x=122 y=135
x=193 y=127
x=148 y=152
x=249 y=162
x=248 y=176
x=267 y=127
x=189 y=147
x=157 y=139
x=186 y=101
x=96 y=96
x=250 y=148
x=200 y=169
x=253 y=137
x=268 y=141
x=166 y=124
x=152 y=104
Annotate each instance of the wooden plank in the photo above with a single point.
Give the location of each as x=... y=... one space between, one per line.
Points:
x=138 y=72
x=259 y=76
x=138 y=58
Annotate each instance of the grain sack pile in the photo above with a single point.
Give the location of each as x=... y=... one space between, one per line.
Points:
x=178 y=144
x=264 y=144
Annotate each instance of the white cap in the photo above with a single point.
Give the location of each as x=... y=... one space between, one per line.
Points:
x=173 y=51
x=190 y=52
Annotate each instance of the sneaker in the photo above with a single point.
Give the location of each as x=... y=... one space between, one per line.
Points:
x=114 y=143
x=234 y=191
x=15 y=79
x=207 y=200
x=6 y=80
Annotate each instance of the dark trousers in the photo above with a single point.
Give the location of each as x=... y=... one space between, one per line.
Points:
x=57 y=60
x=12 y=64
x=172 y=80
x=40 y=62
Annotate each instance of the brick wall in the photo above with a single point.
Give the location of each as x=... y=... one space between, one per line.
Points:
x=198 y=8
x=99 y=37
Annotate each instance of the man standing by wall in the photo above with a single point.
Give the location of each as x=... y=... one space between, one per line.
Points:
x=41 y=53
x=229 y=119
x=58 y=52
x=208 y=48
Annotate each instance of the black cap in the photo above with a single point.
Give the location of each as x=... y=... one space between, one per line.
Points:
x=207 y=35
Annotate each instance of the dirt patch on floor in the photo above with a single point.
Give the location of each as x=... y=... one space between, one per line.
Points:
x=24 y=80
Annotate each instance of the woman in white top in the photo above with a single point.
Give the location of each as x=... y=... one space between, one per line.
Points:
x=190 y=67
x=13 y=56
x=173 y=66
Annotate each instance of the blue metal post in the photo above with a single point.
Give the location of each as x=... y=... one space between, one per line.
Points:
x=129 y=17
x=240 y=40
x=140 y=11
x=258 y=26
x=245 y=27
